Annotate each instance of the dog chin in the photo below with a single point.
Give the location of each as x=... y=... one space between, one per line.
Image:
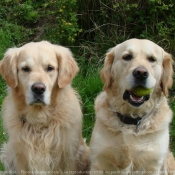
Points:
x=133 y=99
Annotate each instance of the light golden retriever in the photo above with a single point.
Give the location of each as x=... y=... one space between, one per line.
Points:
x=131 y=133
x=41 y=113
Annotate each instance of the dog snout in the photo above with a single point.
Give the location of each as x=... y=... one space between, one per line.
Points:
x=140 y=73
x=38 y=88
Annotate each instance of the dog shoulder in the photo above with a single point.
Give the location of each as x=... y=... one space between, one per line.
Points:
x=101 y=101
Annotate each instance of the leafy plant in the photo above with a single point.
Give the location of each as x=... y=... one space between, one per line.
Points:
x=107 y=23
x=65 y=28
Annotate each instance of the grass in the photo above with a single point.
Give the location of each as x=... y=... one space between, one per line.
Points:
x=2 y=133
x=88 y=86
x=172 y=126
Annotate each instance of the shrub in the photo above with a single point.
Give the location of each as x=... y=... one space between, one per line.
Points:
x=107 y=23
x=19 y=11
x=64 y=29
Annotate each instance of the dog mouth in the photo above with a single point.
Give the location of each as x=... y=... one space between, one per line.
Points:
x=133 y=99
x=37 y=100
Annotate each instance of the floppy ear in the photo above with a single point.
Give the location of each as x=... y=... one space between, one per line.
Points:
x=106 y=70
x=8 y=67
x=67 y=66
x=167 y=79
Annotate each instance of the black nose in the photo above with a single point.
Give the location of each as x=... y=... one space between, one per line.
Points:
x=140 y=73
x=38 y=88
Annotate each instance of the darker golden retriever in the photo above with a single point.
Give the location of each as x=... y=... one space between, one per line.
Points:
x=41 y=113
x=131 y=133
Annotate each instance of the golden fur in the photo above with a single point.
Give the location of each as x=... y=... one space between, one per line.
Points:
x=116 y=147
x=45 y=133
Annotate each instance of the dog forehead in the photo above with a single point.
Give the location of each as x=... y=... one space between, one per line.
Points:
x=127 y=47
x=37 y=49
x=150 y=47
x=37 y=54
x=139 y=46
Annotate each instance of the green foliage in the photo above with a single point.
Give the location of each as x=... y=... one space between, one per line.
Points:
x=12 y=35
x=19 y=12
x=172 y=127
x=65 y=29
x=112 y=22
x=25 y=13
x=54 y=20
x=99 y=24
x=13 y=18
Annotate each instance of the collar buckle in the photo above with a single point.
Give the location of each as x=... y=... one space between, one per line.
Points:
x=138 y=124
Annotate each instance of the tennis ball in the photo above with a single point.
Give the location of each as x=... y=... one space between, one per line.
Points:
x=141 y=91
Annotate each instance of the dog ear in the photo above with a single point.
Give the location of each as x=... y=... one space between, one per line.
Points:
x=8 y=67
x=167 y=79
x=67 y=66
x=106 y=70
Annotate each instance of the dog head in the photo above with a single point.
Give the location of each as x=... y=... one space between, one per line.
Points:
x=36 y=68
x=137 y=63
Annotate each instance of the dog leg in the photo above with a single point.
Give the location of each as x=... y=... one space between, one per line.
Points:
x=7 y=158
x=170 y=163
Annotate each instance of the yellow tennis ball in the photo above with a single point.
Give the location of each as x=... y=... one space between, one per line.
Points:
x=141 y=91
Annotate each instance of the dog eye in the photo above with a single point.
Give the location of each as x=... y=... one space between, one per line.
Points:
x=26 y=69
x=127 y=57
x=151 y=59
x=50 y=68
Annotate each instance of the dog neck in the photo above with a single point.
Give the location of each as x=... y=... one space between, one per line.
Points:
x=129 y=120
x=23 y=120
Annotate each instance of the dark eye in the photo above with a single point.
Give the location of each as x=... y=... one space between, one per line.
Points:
x=151 y=59
x=26 y=69
x=49 y=68
x=127 y=57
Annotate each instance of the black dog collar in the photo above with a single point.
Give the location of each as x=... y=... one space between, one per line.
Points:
x=134 y=121
x=130 y=121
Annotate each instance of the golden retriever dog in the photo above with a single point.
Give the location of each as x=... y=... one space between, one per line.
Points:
x=42 y=113
x=131 y=132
